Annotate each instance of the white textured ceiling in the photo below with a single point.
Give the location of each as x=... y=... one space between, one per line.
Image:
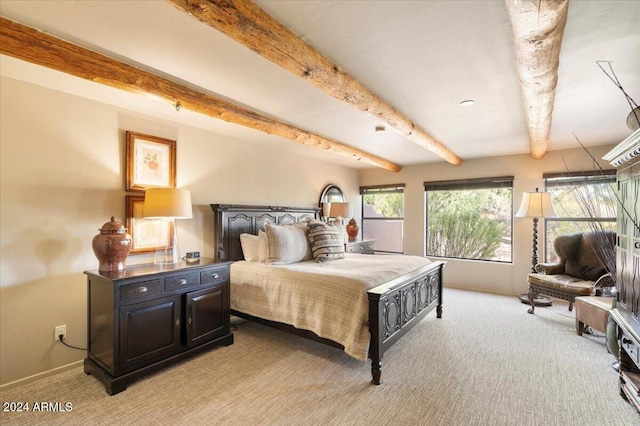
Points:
x=422 y=57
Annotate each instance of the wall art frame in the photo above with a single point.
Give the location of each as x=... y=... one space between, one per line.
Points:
x=150 y=162
x=146 y=234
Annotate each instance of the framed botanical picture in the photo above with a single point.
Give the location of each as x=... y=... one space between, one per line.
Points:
x=146 y=234
x=151 y=162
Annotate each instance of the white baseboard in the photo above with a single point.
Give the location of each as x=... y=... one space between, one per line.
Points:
x=42 y=375
x=477 y=290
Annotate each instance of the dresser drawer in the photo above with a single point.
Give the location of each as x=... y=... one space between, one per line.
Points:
x=214 y=276
x=181 y=282
x=140 y=290
x=631 y=346
x=365 y=247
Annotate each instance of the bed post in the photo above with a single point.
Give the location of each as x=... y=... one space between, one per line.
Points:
x=375 y=328
x=397 y=306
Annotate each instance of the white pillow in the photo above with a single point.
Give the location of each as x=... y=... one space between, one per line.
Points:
x=263 y=247
x=287 y=244
x=250 y=247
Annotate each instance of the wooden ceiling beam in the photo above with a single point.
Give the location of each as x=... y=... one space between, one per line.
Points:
x=251 y=26
x=33 y=46
x=538 y=27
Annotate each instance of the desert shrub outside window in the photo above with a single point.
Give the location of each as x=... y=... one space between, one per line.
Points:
x=470 y=219
x=383 y=216
x=583 y=202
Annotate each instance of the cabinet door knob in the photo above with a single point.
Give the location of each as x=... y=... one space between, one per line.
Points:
x=182 y=282
x=637 y=244
x=177 y=322
x=142 y=289
x=214 y=276
x=190 y=321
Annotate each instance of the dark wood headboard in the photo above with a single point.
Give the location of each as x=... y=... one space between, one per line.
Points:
x=231 y=220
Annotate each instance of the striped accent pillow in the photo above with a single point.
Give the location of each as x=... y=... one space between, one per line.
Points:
x=326 y=242
x=286 y=243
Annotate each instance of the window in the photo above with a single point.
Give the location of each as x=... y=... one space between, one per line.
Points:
x=470 y=219
x=583 y=202
x=383 y=216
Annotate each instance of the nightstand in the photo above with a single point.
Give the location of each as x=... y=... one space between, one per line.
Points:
x=360 y=246
x=148 y=317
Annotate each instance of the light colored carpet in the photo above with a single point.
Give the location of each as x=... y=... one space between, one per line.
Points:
x=486 y=362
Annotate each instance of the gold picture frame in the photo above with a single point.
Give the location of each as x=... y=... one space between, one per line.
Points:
x=146 y=234
x=151 y=162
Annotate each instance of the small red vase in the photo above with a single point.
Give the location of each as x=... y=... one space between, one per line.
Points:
x=353 y=229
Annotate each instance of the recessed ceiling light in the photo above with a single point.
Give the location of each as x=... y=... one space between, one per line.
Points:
x=467 y=103
x=380 y=129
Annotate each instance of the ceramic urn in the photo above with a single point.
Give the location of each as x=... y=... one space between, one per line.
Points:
x=353 y=229
x=112 y=246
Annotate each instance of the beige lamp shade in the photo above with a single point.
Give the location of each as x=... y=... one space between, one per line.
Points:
x=339 y=210
x=167 y=203
x=536 y=204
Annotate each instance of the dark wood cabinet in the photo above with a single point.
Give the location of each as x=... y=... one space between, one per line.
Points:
x=205 y=315
x=147 y=317
x=149 y=331
x=626 y=158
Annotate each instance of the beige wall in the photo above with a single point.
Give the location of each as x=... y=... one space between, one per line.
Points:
x=62 y=177
x=479 y=275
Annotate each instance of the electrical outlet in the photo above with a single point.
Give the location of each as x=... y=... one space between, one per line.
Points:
x=61 y=329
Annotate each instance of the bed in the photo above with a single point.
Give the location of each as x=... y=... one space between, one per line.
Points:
x=392 y=300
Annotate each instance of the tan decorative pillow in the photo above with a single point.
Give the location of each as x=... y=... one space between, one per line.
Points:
x=342 y=232
x=286 y=244
x=263 y=248
x=249 y=244
x=326 y=242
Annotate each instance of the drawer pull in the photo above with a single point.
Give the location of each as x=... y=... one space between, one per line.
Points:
x=214 y=276
x=182 y=282
x=142 y=289
x=626 y=341
x=361 y=248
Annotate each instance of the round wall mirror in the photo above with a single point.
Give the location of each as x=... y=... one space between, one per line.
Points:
x=332 y=193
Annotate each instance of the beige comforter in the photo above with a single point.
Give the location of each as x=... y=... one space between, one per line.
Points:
x=327 y=298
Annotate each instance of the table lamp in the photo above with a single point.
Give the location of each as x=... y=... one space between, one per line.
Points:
x=167 y=204
x=340 y=211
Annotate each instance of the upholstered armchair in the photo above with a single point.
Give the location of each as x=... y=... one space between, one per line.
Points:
x=580 y=272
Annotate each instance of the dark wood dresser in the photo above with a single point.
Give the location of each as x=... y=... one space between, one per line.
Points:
x=150 y=316
x=626 y=158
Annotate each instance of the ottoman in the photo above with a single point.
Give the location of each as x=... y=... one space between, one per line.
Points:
x=592 y=311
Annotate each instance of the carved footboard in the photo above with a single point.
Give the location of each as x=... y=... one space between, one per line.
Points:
x=395 y=307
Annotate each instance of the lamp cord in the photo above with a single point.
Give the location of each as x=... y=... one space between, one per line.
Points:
x=61 y=337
